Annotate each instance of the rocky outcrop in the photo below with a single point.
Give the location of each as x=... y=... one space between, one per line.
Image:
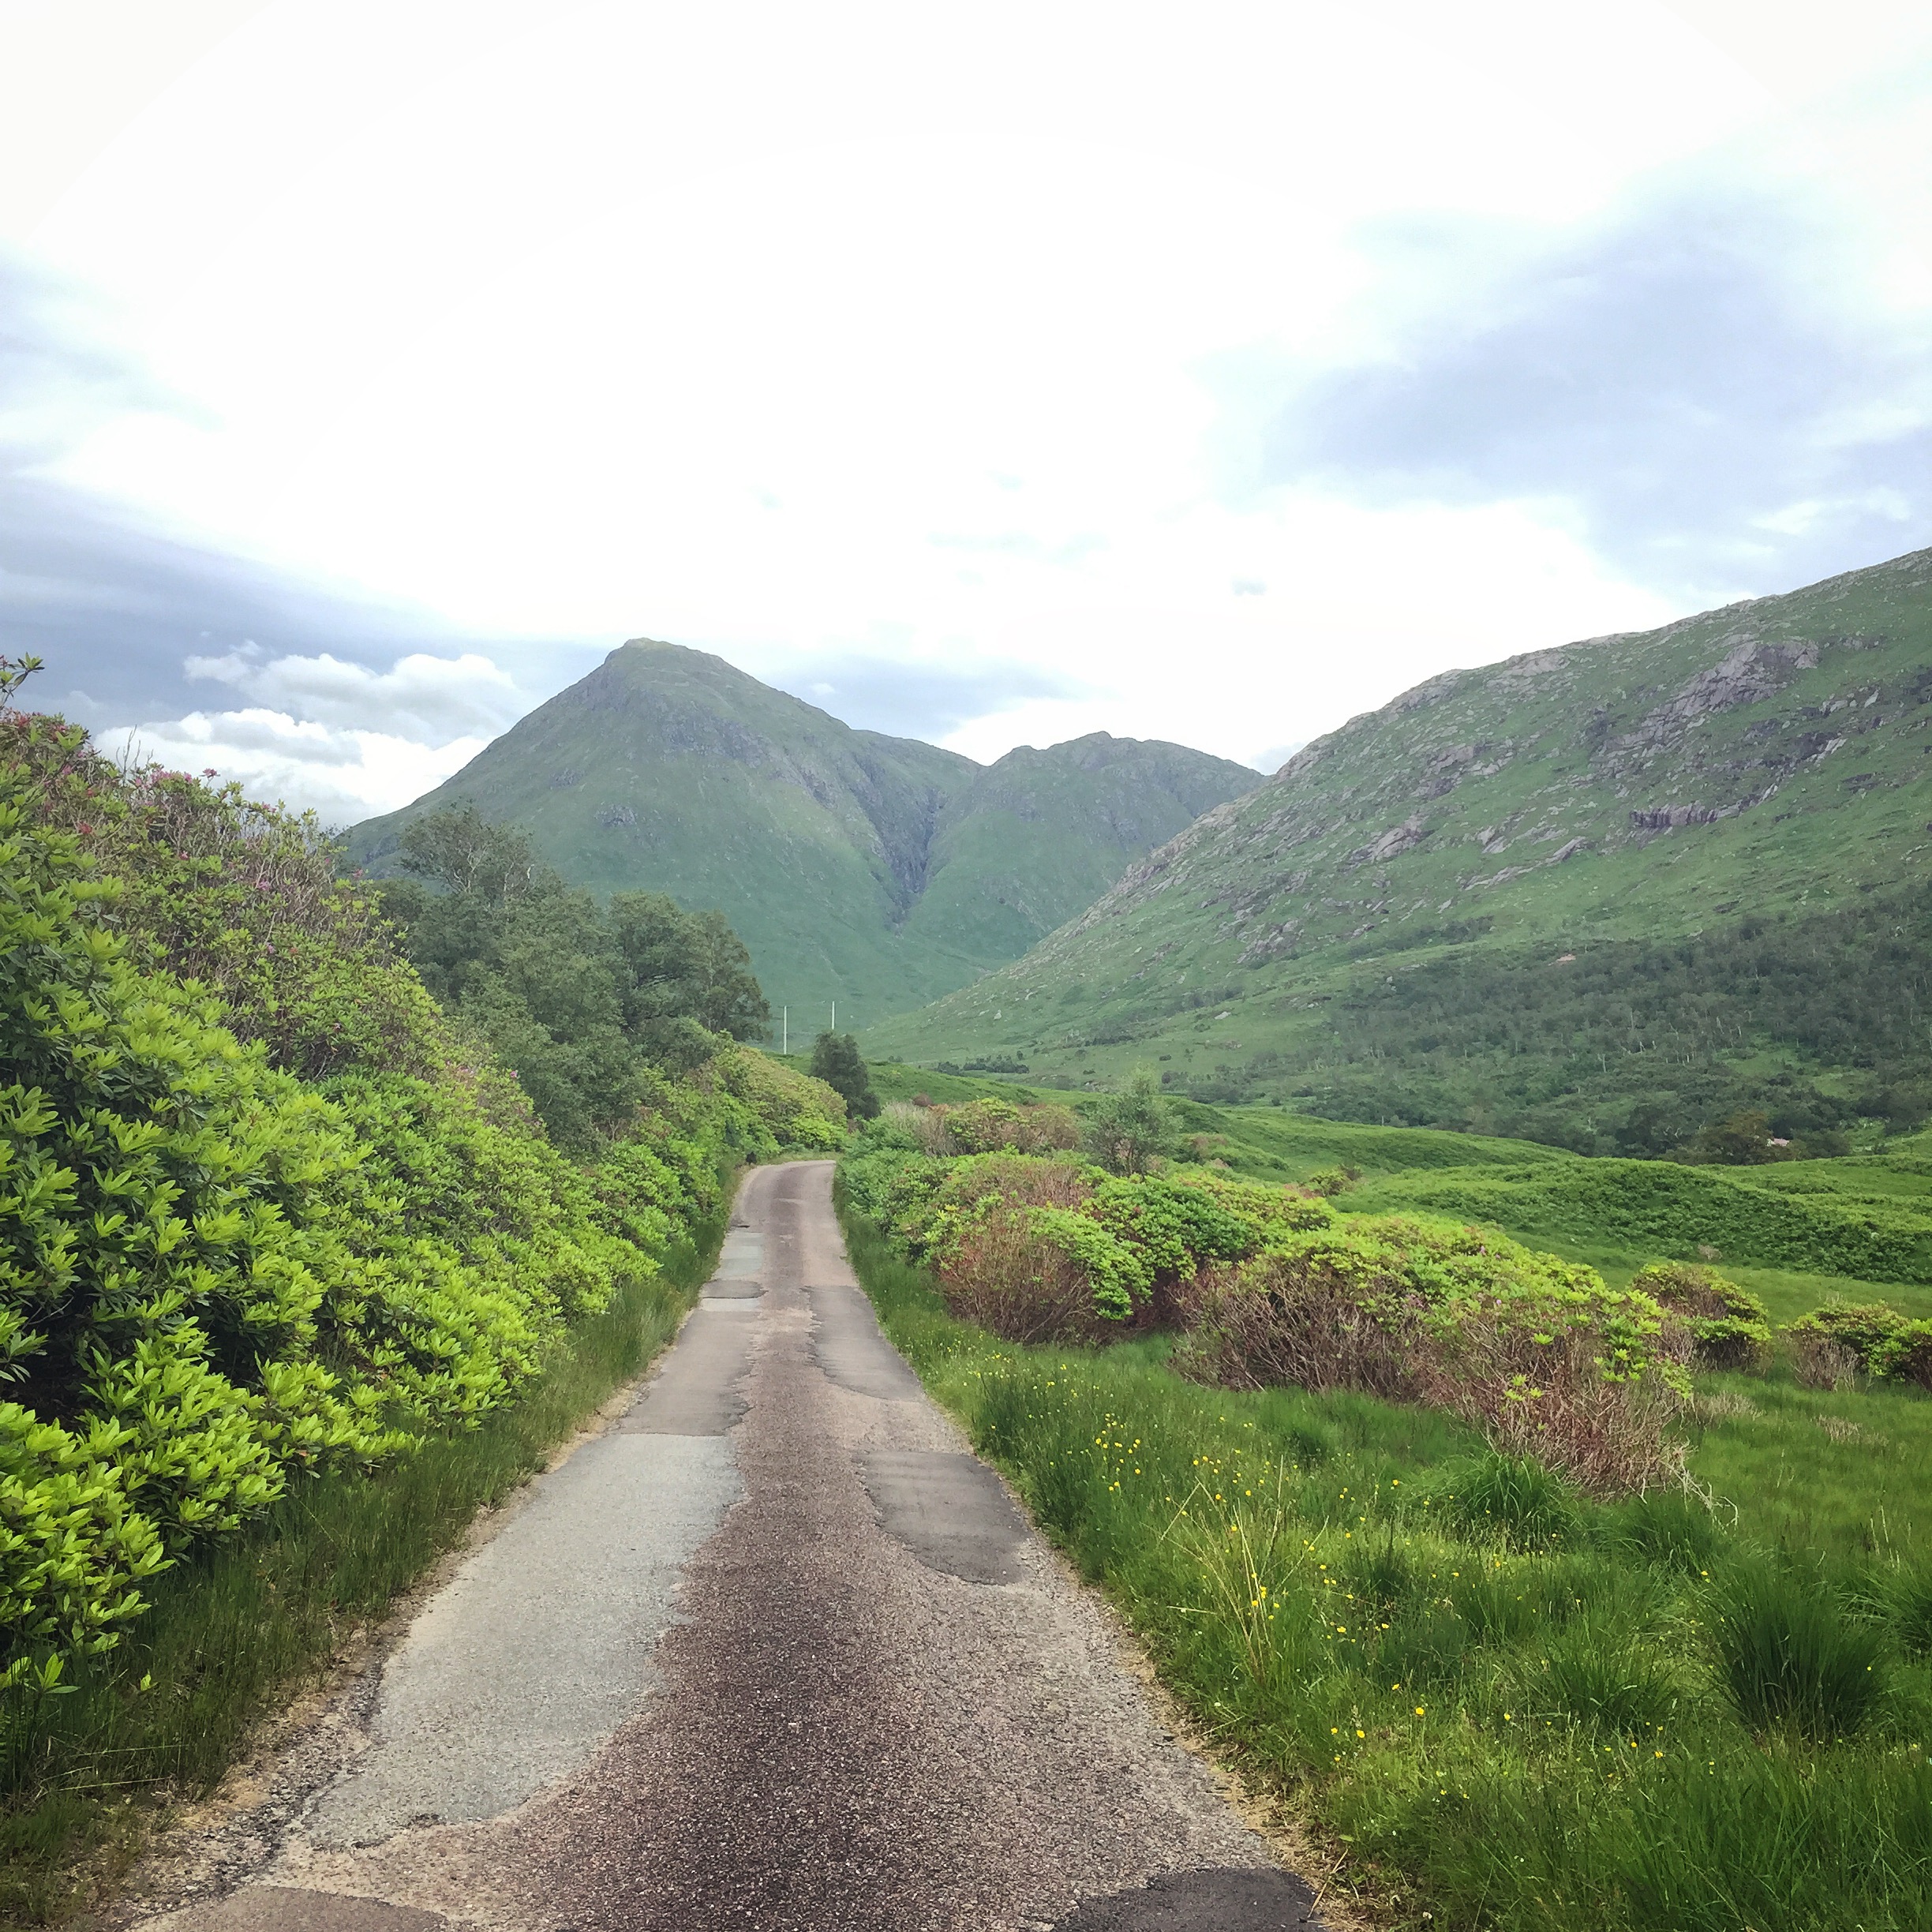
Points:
x=1750 y=672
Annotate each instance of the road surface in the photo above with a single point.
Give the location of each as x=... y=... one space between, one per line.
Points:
x=774 y=1651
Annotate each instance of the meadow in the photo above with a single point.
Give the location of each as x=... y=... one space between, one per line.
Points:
x=1496 y=1700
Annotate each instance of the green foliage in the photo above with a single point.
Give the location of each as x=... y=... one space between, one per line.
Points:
x=794 y=1109
x=1865 y=1328
x=233 y=1625
x=218 y=1278
x=1330 y=1181
x=582 y=1000
x=835 y=1060
x=1729 y=1326
x=1664 y=1209
x=1273 y=1287
x=1906 y=1355
x=1129 y=1131
x=240 y=897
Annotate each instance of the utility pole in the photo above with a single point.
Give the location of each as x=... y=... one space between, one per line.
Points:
x=835 y=1016
x=784 y=1029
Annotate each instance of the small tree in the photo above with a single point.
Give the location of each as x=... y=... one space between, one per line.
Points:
x=836 y=1060
x=1127 y=1131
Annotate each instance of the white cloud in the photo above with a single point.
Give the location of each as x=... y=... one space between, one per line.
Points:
x=883 y=334
x=336 y=738
x=421 y=695
x=342 y=775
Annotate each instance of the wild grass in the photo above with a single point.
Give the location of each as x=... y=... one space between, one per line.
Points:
x=229 y=1636
x=1510 y=1705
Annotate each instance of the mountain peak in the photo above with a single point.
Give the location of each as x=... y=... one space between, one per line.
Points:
x=880 y=871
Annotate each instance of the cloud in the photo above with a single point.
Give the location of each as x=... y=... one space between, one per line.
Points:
x=343 y=775
x=119 y=608
x=915 y=700
x=1275 y=756
x=1709 y=384
x=432 y=698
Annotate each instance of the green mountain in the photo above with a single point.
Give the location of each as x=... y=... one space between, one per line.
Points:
x=877 y=871
x=1600 y=895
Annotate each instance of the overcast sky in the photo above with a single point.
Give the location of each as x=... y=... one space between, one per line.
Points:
x=990 y=373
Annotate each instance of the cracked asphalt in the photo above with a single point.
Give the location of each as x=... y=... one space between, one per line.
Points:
x=776 y=1651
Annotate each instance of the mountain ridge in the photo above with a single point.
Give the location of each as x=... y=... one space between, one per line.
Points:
x=876 y=871
x=1765 y=759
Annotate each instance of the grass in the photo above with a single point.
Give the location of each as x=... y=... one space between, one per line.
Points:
x=1509 y=1706
x=230 y=1636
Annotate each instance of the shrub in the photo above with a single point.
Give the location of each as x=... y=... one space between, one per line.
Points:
x=1128 y=1132
x=158 y=1305
x=1818 y=1362
x=1329 y=1181
x=992 y=1125
x=1906 y=1354
x=1534 y=1350
x=239 y=897
x=1786 y=1655
x=1039 y=1273
x=1728 y=1325
x=1861 y=1329
x=214 y=1277
x=797 y=1110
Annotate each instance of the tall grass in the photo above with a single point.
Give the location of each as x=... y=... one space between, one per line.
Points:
x=228 y=1636
x=1512 y=1706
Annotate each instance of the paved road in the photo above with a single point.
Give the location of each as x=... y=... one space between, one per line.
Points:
x=775 y=1651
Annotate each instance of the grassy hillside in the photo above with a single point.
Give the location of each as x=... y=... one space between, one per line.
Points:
x=1597 y=895
x=877 y=872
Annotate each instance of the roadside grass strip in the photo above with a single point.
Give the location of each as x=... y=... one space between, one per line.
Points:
x=1507 y=1704
x=235 y=1632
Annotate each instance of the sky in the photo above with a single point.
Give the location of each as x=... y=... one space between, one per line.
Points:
x=989 y=375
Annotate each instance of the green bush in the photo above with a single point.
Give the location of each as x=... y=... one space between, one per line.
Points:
x=1729 y=1326
x=217 y=1279
x=1906 y=1354
x=240 y=897
x=1862 y=1328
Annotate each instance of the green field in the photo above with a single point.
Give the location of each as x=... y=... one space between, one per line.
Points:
x=1497 y=1703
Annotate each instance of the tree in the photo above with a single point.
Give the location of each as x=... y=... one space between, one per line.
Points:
x=576 y=997
x=1740 y=1140
x=1127 y=1131
x=680 y=964
x=460 y=848
x=836 y=1060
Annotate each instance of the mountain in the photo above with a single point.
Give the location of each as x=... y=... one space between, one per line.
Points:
x=1597 y=895
x=880 y=872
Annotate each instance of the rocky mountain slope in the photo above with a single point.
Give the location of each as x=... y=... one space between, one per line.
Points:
x=879 y=871
x=1495 y=839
